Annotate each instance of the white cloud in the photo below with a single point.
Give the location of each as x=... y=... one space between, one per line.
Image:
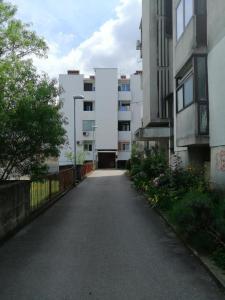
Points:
x=113 y=45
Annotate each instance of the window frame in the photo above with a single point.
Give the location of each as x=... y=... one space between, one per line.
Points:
x=122 y=148
x=88 y=144
x=180 y=86
x=128 y=125
x=92 y=129
x=184 y=19
x=92 y=105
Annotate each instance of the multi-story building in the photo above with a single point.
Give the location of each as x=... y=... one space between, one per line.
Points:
x=156 y=52
x=105 y=120
x=196 y=58
x=191 y=125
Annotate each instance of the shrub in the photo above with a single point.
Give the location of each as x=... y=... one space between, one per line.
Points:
x=219 y=258
x=193 y=212
x=154 y=163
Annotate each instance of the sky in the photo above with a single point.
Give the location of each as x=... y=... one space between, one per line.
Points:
x=84 y=35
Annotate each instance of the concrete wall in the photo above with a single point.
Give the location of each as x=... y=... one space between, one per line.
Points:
x=216 y=22
x=216 y=75
x=14 y=205
x=149 y=50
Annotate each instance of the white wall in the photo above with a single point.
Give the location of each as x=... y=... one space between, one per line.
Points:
x=106 y=86
x=216 y=71
x=72 y=86
x=216 y=74
x=136 y=104
x=105 y=114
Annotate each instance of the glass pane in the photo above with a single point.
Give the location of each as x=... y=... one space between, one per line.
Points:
x=180 y=99
x=88 y=125
x=201 y=78
x=188 y=10
x=188 y=91
x=180 y=19
x=203 y=115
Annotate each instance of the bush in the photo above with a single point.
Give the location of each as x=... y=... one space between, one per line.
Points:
x=154 y=164
x=192 y=213
x=219 y=258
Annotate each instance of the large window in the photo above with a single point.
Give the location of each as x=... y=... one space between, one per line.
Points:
x=188 y=91
x=188 y=11
x=201 y=77
x=184 y=15
x=185 y=93
x=180 y=19
x=124 y=125
x=180 y=99
x=88 y=125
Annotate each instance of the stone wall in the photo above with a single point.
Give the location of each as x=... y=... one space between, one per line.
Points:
x=14 y=205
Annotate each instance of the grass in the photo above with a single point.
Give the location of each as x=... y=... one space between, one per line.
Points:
x=40 y=191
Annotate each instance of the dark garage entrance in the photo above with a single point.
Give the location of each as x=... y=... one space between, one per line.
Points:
x=106 y=160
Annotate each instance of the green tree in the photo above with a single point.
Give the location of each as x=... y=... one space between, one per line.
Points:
x=30 y=119
x=16 y=38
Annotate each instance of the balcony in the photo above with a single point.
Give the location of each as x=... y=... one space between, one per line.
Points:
x=124 y=95
x=124 y=115
x=124 y=135
x=124 y=155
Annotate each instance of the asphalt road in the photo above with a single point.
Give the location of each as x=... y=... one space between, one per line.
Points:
x=101 y=241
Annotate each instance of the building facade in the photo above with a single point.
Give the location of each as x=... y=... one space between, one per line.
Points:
x=105 y=119
x=156 y=52
x=194 y=46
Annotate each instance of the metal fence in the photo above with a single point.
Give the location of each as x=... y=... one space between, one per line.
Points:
x=43 y=191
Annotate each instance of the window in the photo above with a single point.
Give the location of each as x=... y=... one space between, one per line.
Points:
x=180 y=99
x=203 y=119
x=88 y=86
x=185 y=93
x=87 y=146
x=124 y=105
x=124 y=87
x=180 y=19
x=184 y=15
x=188 y=91
x=188 y=11
x=88 y=106
x=201 y=77
x=124 y=125
x=88 y=125
x=124 y=146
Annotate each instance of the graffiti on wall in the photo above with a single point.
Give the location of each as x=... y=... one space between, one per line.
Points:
x=220 y=161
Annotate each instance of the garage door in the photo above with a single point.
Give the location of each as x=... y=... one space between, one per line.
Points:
x=106 y=160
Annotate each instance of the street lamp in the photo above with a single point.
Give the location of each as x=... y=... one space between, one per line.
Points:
x=79 y=97
x=93 y=150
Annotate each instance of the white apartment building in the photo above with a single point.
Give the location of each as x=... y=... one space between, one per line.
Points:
x=105 y=120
